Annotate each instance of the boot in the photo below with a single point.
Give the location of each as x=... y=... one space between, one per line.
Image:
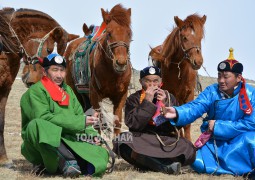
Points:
x=67 y=162
x=158 y=164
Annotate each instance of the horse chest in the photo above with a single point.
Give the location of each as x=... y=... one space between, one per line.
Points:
x=6 y=77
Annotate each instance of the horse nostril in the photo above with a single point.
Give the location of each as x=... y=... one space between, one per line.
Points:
x=120 y=64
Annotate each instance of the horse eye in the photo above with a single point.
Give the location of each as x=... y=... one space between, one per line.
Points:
x=184 y=38
x=109 y=35
x=48 y=51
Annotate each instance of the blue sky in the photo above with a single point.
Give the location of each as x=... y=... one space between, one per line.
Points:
x=229 y=24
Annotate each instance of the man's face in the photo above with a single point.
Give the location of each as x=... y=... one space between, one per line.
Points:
x=150 y=80
x=56 y=73
x=227 y=81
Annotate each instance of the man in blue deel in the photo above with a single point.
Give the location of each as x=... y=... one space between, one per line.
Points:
x=229 y=105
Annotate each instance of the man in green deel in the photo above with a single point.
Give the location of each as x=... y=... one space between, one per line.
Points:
x=57 y=137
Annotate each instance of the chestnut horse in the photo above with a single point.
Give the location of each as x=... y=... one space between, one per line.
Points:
x=180 y=57
x=29 y=34
x=109 y=62
x=32 y=72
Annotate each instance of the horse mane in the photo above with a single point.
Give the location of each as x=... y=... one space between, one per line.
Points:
x=196 y=22
x=172 y=41
x=32 y=21
x=10 y=44
x=118 y=14
x=34 y=16
x=6 y=12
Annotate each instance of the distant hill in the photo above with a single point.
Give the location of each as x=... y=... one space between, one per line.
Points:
x=205 y=80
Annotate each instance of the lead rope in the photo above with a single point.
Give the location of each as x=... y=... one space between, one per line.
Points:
x=178 y=66
x=111 y=153
x=216 y=155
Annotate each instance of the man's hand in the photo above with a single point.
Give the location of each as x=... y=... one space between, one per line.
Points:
x=169 y=112
x=150 y=93
x=161 y=95
x=97 y=141
x=91 y=120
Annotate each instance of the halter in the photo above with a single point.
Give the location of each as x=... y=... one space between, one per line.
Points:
x=109 y=54
x=113 y=45
x=185 y=56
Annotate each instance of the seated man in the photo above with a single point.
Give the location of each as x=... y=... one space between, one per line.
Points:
x=230 y=120
x=56 y=134
x=150 y=145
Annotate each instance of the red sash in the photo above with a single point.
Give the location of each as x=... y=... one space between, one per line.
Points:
x=57 y=93
x=244 y=102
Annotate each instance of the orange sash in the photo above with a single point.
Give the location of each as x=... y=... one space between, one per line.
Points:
x=151 y=122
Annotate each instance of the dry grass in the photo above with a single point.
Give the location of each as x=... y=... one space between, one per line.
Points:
x=122 y=170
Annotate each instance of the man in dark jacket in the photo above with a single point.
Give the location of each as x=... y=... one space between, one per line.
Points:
x=152 y=143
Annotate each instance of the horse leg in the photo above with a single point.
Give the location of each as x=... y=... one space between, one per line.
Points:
x=187 y=131
x=3 y=100
x=94 y=100
x=189 y=97
x=86 y=102
x=117 y=109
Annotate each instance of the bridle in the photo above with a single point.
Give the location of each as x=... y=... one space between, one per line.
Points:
x=186 y=55
x=111 y=46
x=108 y=52
x=32 y=59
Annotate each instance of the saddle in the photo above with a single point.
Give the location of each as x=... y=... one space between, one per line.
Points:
x=81 y=68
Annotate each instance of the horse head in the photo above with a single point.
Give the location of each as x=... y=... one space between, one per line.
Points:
x=88 y=30
x=117 y=36
x=39 y=45
x=190 y=35
x=155 y=57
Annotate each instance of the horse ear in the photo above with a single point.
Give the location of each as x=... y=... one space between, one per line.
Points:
x=178 y=21
x=57 y=34
x=85 y=29
x=72 y=37
x=106 y=16
x=203 y=19
x=129 y=12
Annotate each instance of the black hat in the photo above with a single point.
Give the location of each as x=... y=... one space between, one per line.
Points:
x=231 y=64
x=53 y=59
x=150 y=70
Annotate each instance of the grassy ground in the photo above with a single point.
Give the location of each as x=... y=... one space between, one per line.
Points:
x=123 y=170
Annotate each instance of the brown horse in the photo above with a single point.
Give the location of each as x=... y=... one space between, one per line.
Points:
x=109 y=62
x=32 y=72
x=29 y=34
x=180 y=57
